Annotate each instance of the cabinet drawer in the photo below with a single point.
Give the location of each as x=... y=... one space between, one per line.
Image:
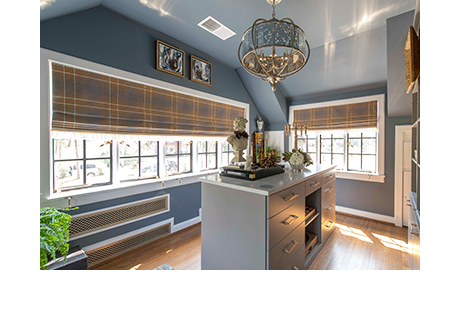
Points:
x=328 y=177
x=328 y=209
x=281 y=200
x=328 y=191
x=286 y=248
x=312 y=185
x=283 y=223
x=326 y=228
x=297 y=262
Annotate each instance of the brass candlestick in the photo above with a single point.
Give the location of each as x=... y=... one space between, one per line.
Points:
x=295 y=128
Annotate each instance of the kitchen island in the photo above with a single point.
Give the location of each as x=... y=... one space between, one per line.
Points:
x=278 y=222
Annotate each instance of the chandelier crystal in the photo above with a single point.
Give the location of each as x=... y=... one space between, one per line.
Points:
x=273 y=49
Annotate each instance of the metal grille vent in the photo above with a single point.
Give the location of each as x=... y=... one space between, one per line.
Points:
x=216 y=28
x=122 y=246
x=121 y=214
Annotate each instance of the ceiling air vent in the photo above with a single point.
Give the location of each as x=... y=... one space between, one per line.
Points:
x=216 y=28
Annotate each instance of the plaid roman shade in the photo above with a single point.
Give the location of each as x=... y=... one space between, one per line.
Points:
x=339 y=117
x=88 y=102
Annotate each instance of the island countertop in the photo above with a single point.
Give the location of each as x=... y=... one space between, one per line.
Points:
x=270 y=185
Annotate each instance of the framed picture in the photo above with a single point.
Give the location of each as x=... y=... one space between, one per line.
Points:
x=169 y=59
x=200 y=71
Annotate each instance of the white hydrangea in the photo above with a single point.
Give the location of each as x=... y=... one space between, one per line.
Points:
x=296 y=159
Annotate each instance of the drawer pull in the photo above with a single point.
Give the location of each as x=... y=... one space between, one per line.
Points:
x=329 y=191
x=314 y=184
x=329 y=224
x=414 y=230
x=408 y=203
x=294 y=243
x=330 y=207
x=287 y=221
x=330 y=176
x=295 y=268
x=289 y=198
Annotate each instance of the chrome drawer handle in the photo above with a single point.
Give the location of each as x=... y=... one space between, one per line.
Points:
x=289 y=198
x=314 y=184
x=287 y=221
x=330 y=207
x=295 y=268
x=330 y=224
x=408 y=203
x=294 y=243
x=330 y=176
x=329 y=191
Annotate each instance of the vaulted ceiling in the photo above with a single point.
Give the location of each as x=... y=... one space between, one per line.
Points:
x=347 y=37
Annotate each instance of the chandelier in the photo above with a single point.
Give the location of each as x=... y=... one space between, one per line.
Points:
x=273 y=49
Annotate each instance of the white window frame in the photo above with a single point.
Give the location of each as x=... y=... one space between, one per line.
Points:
x=115 y=190
x=343 y=174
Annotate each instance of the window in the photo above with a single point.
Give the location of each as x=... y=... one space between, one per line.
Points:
x=227 y=152
x=80 y=163
x=308 y=145
x=207 y=155
x=332 y=148
x=138 y=160
x=178 y=157
x=362 y=150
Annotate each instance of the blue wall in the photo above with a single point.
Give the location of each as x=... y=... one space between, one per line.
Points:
x=368 y=196
x=102 y=36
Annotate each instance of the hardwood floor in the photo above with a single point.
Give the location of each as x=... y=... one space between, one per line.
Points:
x=363 y=244
x=356 y=244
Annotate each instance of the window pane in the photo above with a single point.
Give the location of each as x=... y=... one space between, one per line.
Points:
x=68 y=149
x=171 y=164
x=97 y=171
x=337 y=145
x=224 y=159
x=302 y=144
x=129 y=148
x=369 y=146
x=170 y=148
x=354 y=162
x=185 y=163
x=311 y=145
x=212 y=161
x=325 y=145
x=149 y=148
x=202 y=147
x=369 y=133
x=369 y=163
x=225 y=147
x=202 y=161
x=129 y=168
x=211 y=146
x=313 y=157
x=326 y=159
x=184 y=147
x=337 y=159
x=354 y=146
x=68 y=174
x=149 y=167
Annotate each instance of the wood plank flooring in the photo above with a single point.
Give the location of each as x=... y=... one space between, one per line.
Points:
x=356 y=244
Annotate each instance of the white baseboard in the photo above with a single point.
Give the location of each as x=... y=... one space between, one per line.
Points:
x=365 y=214
x=186 y=224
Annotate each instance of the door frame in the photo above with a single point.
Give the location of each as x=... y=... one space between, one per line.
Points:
x=399 y=149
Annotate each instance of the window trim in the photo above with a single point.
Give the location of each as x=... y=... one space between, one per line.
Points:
x=101 y=193
x=343 y=174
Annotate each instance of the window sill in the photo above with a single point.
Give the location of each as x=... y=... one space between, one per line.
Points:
x=360 y=176
x=103 y=193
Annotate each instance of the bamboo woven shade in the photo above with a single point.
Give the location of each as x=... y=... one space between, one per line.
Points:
x=84 y=101
x=339 y=117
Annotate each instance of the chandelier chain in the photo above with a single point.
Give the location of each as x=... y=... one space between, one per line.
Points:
x=273 y=6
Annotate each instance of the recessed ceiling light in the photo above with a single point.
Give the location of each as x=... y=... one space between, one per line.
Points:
x=216 y=28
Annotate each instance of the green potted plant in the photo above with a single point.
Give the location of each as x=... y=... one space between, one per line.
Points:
x=54 y=234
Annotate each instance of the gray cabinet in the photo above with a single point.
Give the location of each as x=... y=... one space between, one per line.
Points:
x=244 y=229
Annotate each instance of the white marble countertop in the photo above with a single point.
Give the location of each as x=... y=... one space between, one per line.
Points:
x=269 y=185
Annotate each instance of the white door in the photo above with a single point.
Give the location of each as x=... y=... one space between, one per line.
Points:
x=403 y=163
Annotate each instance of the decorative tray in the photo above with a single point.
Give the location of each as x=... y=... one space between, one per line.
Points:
x=253 y=174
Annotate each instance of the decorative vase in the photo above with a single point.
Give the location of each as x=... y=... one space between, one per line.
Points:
x=297 y=167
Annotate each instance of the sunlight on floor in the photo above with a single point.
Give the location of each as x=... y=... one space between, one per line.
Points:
x=135 y=267
x=392 y=242
x=353 y=232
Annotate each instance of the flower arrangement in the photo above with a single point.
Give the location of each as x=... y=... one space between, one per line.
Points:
x=306 y=158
